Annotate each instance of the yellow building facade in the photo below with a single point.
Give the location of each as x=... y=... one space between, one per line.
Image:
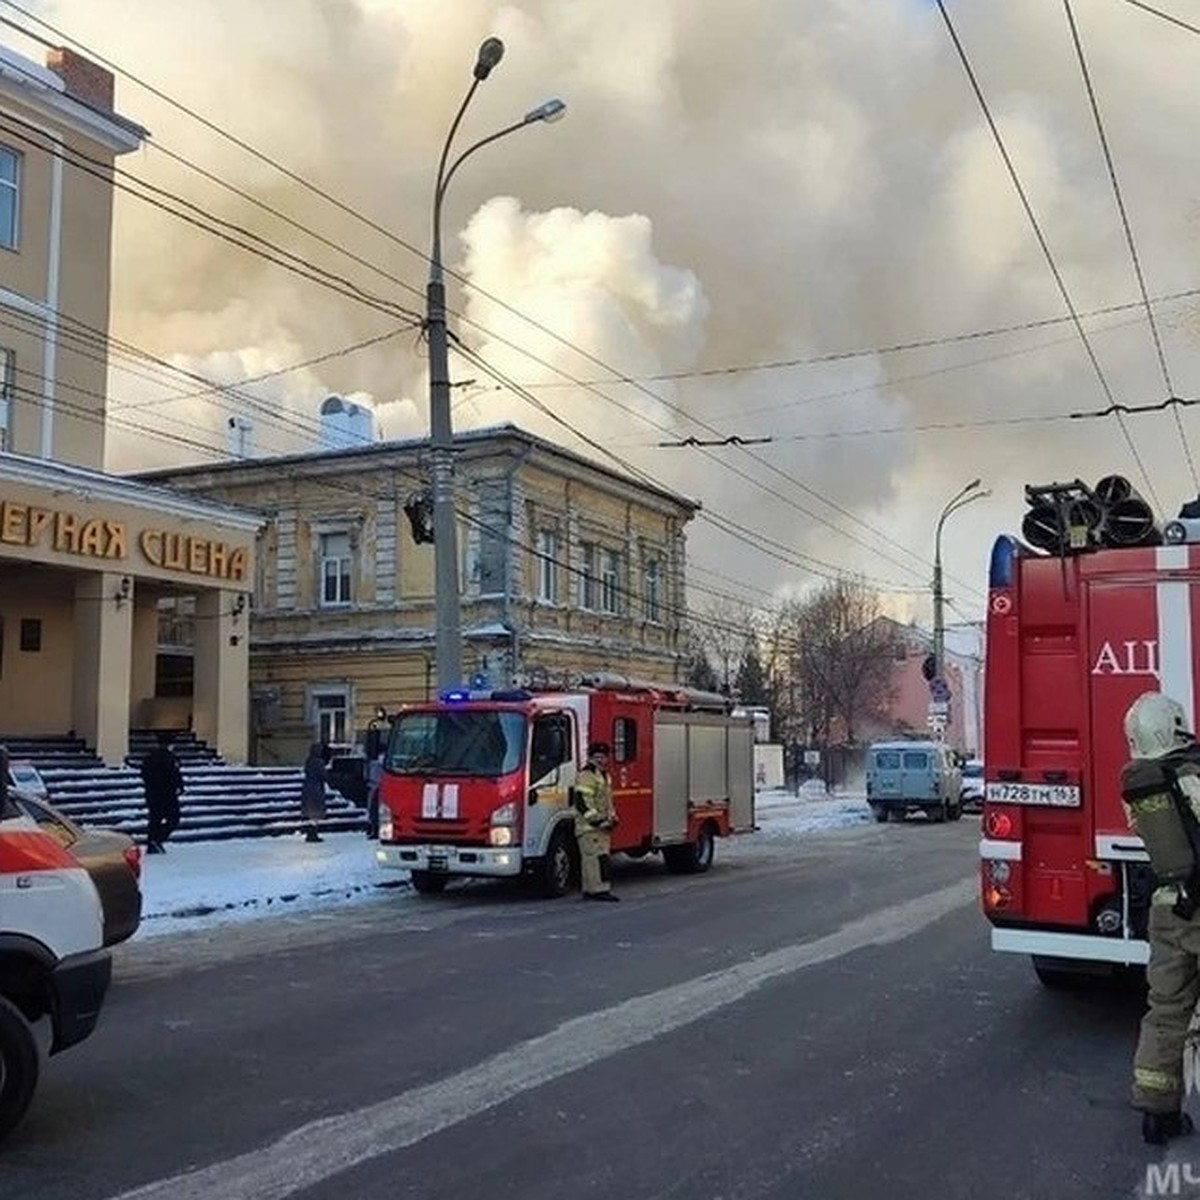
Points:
x=565 y=567
x=86 y=558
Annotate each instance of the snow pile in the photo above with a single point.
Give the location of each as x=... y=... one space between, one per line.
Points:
x=202 y=884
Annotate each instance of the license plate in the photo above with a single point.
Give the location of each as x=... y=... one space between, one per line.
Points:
x=1052 y=795
x=437 y=862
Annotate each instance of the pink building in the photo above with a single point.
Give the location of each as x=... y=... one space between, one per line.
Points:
x=907 y=709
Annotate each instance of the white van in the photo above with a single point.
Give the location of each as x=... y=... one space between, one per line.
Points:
x=52 y=961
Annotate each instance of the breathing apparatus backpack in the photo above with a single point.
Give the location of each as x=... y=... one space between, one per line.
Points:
x=1162 y=796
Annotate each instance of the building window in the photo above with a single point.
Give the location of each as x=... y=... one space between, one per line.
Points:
x=10 y=189
x=31 y=635
x=653 y=589
x=547 y=566
x=491 y=563
x=588 y=581
x=336 y=564
x=331 y=717
x=8 y=380
x=610 y=582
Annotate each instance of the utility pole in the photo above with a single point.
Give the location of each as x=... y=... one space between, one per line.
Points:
x=441 y=436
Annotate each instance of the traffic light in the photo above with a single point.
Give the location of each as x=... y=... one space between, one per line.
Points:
x=929 y=668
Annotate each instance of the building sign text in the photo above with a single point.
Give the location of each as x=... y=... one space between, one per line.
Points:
x=97 y=537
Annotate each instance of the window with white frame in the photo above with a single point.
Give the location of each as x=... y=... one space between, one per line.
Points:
x=652 y=590
x=331 y=716
x=10 y=194
x=610 y=582
x=589 y=576
x=336 y=569
x=8 y=378
x=547 y=565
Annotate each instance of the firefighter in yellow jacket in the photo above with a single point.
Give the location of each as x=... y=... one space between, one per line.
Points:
x=595 y=817
x=1161 y=791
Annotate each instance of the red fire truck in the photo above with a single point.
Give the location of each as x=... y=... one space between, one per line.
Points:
x=1072 y=641
x=479 y=782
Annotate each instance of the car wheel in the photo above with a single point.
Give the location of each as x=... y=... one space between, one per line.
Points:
x=18 y=1066
x=879 y=813
x=427 y=884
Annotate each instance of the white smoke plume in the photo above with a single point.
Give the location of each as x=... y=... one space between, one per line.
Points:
x=734 y=184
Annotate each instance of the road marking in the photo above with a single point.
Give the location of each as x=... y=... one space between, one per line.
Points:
x=321 y=1149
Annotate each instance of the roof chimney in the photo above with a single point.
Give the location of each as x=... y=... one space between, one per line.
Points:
x=85 y=80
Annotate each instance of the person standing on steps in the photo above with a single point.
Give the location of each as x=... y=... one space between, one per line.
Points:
x=312 y=790
x=162 y=781
x=595 y=818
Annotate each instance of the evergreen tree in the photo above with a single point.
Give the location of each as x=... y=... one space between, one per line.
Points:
x=750 y=683
x=698 y=671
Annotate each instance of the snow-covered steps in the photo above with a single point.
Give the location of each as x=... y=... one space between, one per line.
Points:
x=219 y=801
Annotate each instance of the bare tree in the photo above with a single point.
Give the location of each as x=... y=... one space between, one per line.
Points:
x=831 y=657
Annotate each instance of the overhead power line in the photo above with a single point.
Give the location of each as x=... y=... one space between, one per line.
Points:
x=1165 y=16
x=621 y=377
x=1045 y=245
x=1128 y=230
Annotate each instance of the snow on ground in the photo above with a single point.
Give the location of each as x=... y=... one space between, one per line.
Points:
x=199 y=885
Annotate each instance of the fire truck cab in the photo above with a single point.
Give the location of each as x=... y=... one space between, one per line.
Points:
x=479 y=783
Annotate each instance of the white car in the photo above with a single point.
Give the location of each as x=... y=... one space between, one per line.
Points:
x=972 y=786
x=52 y=959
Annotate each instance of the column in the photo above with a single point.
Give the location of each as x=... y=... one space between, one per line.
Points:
x=145 y=657
x=221 y=679
x=104 y=603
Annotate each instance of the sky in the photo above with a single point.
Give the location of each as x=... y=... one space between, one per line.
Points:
x=746 y=210
x=204 y=885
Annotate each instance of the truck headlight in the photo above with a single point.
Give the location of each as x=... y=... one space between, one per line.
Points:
x=501 y=835
x=506 y=814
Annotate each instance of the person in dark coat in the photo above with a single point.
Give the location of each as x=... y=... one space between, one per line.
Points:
x=312 y=791
x=162 y=781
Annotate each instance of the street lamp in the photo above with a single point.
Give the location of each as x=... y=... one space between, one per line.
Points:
x=441 y=437
x=960 y=500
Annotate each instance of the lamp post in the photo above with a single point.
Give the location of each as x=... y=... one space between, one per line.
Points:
x=441 y=437
x=960 y=500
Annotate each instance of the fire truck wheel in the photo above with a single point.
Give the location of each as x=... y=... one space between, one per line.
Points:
x=692 y=858
x=558 y=867
x=427 y=884
x=1056 y=977
x=18 y=1066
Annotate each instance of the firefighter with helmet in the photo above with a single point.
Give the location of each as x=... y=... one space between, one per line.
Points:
x=595 y=817
x=1161 y=791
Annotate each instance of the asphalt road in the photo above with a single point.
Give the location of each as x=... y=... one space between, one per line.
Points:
x=820 y=1017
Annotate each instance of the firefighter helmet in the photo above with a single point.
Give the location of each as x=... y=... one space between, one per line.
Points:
x=1155 y=725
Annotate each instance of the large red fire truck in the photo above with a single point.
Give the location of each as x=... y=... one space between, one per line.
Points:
x=1072 y=641
x=480 y=782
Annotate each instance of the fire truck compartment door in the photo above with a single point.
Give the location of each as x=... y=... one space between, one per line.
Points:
x=701 y=759
x=1139 y=633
